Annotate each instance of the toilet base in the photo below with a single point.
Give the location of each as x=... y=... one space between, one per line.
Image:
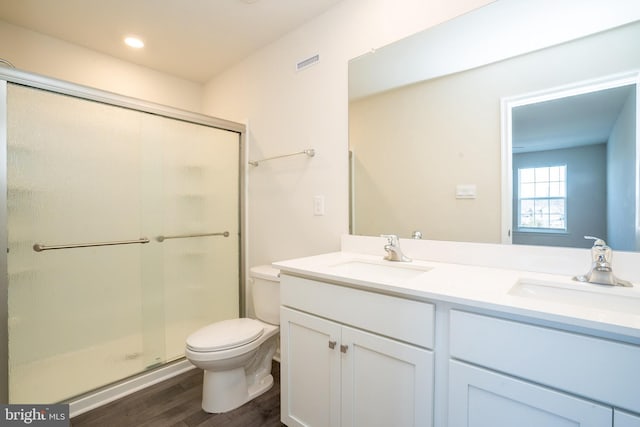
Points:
x=225 y=391
x=231 y=380
x=264 y=385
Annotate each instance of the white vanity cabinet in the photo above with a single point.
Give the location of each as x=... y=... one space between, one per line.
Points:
x=339 y=366
x=623 y=419
x=504 y=373
x=479 y=397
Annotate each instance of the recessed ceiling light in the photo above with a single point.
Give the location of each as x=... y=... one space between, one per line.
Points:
x=134 y=42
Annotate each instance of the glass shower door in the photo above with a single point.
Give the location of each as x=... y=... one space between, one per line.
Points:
x=80 y=171
x=196 y=227
x=75 y=318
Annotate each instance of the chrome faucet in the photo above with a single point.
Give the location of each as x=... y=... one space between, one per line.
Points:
x=394 y=253
x=601 y=272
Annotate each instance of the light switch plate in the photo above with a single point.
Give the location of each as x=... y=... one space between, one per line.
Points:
x=466 y=191
x=318 y=205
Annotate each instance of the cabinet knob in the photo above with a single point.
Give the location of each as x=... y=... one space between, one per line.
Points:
x=343 y=348
x=332 y=345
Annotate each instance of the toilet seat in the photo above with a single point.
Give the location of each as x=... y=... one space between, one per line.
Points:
x=225 y=335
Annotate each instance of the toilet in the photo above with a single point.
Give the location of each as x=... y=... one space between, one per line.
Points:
x=236 y=354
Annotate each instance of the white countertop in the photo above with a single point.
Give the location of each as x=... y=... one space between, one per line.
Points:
x=487 y=288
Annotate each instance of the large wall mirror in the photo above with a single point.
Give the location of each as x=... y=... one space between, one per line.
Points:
x=519 y=133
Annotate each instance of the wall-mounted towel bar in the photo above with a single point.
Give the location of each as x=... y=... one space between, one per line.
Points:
x=39 y=247
x=186 y=236
x=309 y=152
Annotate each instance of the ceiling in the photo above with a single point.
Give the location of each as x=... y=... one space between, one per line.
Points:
x=191 y=39
x=568 y=122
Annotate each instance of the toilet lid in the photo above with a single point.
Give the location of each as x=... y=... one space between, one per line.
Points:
x=225 y=335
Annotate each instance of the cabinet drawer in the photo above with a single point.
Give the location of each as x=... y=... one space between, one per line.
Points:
x=403 y=319
x=603 y=370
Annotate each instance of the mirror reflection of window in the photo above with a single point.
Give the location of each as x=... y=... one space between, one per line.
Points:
x=589 y=132
x=542 y=198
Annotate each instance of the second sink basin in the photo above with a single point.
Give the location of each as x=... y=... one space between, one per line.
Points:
x=380 y=272
x=588 y=295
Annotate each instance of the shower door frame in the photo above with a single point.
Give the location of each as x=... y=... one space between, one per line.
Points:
x=87 y=93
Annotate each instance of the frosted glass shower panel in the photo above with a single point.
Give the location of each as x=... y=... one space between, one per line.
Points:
x=81 y=171
x=200 y=196
x=73 y=177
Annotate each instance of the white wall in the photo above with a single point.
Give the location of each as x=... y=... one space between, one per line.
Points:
x=621 y=158
x=288 y=111
x=41 y=54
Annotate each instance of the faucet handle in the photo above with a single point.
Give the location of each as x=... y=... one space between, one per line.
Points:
x=597 y=241
x=392 y=239
x=600 y=252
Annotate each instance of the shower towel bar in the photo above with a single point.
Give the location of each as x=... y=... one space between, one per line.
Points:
x=186 y=236
x=309 y=152
x=39 y=247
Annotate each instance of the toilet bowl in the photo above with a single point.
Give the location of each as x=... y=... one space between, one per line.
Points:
x=236 y=354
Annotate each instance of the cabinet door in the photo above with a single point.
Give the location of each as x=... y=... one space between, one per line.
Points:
x=385 y=382
x=625 y=419
x=480 y=398
x=310 y=370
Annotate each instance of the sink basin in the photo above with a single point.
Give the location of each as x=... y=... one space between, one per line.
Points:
x=618 y=299
x=387 y=272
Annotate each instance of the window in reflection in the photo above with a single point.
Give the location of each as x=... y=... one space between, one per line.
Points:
x=542 y=198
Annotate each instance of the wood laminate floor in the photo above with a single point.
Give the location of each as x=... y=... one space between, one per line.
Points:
x=176 y=402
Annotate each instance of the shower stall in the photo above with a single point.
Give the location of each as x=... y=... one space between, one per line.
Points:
x=122 y=233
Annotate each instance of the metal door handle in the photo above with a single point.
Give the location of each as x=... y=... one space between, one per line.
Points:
x=332 y=344
x=343 y=348
x=38 y=247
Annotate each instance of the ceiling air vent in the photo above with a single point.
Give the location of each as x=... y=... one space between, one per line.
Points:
x=307 y=62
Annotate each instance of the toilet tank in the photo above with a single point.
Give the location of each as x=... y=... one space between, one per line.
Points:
x=266 y=293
